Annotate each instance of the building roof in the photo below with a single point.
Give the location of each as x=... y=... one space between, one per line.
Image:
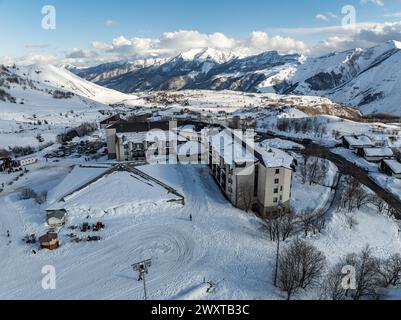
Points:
x=125 y=126
x=378 y=152
x=394 y=165
x=115 y=117
x=121 y=185
x=191 y=148
x=149 y=136
x=360 y=140
x=49 y=237
x=274 y=158
x=231 y=148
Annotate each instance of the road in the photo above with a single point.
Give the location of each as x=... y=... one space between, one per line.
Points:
x=345 y=167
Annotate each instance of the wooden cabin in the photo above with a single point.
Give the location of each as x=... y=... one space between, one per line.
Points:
x=49 y=241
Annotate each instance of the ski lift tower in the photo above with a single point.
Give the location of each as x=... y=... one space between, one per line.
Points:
x=143 y=269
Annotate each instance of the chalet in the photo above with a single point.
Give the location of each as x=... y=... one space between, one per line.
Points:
x=391 y=167
x=109 y=121
x=376 y=154
x=49 y=241
x=354 y=142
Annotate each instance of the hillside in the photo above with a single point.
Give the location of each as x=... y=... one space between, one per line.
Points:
x=363 y=78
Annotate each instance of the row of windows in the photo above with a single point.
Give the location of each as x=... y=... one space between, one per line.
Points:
x=275 y=200
x=276 y=190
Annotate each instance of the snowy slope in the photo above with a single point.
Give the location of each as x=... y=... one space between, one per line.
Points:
x=63 y=79
x=368 y=79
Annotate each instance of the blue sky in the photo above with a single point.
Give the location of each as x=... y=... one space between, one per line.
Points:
x=80 y=23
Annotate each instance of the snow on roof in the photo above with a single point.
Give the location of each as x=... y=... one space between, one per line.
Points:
x=134 y=137
x=282 y=144
x=149 y=136
x=274 y=158
x=32 y=156
x=378 y=152
x=78 y=176
x=191 y=148
x=116 y=189
x=360 y=140
x=231 y=148
x=394 y=165
x=187 y=128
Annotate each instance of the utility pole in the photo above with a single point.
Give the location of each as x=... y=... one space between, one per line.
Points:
x=143 y=269
x=277 y=261
x=281 y=209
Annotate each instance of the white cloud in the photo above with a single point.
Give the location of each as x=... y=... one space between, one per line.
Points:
x=321 y=16
x=110 y=23
x=31 y=58
x=81 y=53
x=362 y=36
x=379 y=3
x=172 y=43
x=393 y=15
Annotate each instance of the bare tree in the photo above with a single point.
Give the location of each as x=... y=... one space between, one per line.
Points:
x=280 y=227
x=307 y=218
x=389 y=271
x=246 y=196
x=286 y=226
x=353 y=195
x=300 y=266
x=350 y=219
x=319 y=223
x=332 y=286
x=380 y=204
x=367 y=280
x=367 y=277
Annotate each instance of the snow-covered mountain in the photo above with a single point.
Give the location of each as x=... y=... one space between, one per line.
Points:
x=102 y=73
x=209 y=69
x=369 y=79
x=35 y=84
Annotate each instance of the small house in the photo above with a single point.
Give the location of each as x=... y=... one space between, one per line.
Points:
x=49 y=241
x=109 y=121
x=391 y=167
x=355 y=142
x=376 y=154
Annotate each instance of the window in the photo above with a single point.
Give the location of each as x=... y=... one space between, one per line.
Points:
x=276 y=190
x=277 y=171
x=281 y=188
x=275 y=200
x=281 y=198
x=276 y=181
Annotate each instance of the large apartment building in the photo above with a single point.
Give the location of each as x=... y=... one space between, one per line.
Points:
x=251 y=176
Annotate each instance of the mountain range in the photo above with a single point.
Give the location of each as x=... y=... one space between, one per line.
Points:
x=368 y=79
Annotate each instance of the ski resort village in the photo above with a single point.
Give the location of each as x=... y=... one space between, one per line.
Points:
x=211 y=192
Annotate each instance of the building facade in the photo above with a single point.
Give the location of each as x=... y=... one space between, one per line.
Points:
x=258 y=177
